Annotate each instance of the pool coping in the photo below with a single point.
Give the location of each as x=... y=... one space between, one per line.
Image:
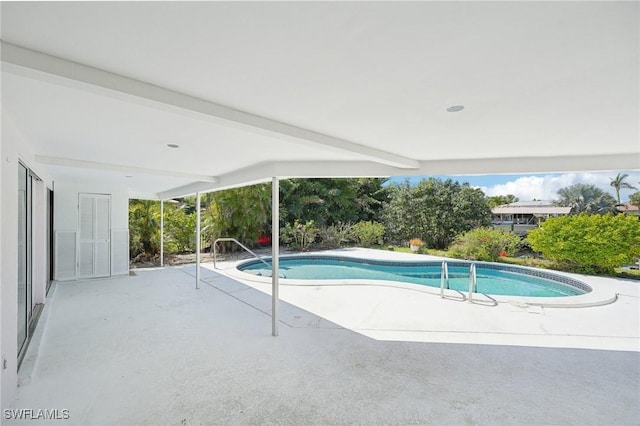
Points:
x=598 y=295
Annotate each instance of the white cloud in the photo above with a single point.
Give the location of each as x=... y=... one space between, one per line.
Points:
x=545 y=187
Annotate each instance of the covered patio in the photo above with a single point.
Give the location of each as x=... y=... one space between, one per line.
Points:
x=108 y=101
x=150 y=349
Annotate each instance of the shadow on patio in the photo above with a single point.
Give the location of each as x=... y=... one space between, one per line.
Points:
x=150 y=349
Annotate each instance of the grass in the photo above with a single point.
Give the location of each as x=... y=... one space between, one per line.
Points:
x=630 y=274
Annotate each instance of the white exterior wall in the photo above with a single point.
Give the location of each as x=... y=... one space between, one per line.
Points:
x=14 y=148
x=66 y=204
x=65 y=214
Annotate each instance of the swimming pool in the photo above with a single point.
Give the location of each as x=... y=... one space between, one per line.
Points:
x=492 y=278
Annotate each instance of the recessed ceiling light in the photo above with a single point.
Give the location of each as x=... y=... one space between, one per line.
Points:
x=173 y=145
x=455 y=108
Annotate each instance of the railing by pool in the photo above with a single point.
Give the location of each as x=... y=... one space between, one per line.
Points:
x=473 y=282
x=444 y=278
x=215 y=243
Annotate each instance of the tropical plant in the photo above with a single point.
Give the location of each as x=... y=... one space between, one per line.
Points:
x=586 y=198
x=144 y=227
x=331 y=201
x=500 y=200
x=242 y=213
x=433 y=210
x=635 y=199
x=588 y=243
x=333 y=236
x=367 y=233
x=619 y=182
x=299 y=236
x=488 y=244
x=179 y=229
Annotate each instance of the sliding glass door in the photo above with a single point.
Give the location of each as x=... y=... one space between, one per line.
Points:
x=25 y=300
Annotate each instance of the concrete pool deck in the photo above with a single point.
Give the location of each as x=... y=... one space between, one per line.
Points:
x=417 y=313
x=599 y=294
x=150 y=349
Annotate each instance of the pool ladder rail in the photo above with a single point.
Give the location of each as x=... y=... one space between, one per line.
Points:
x=473 y=282
x=444 y=280
x=215 y=243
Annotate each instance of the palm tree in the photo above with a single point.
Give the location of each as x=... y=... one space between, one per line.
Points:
x=144 y=227
x=619 y=183
x=241 y=213
x=586 y=198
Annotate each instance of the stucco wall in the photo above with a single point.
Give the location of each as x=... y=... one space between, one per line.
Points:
x=66 y=208
x=66 y=204
x=15 y=148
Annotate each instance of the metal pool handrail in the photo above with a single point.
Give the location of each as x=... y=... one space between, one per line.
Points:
x=473 y=282
x=444 y=278
x=238 y=243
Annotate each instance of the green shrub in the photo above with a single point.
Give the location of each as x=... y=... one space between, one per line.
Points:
x=334 y=236
x=179 y=228
x=367 y=233
x=241 y=213
x=488 y=244
x=144 y=227
x=588 y=243
x=299 y=236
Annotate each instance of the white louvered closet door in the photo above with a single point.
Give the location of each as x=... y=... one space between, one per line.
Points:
x=94 y=248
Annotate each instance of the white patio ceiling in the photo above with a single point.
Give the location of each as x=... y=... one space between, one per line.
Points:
x=251 y=90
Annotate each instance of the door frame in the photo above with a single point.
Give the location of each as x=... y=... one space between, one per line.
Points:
x=95 y=197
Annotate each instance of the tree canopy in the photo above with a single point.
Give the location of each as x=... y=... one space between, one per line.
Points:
x=500 y=200
x=434 y=211
x=620 y=182
x=330 y=201
x=586 y=198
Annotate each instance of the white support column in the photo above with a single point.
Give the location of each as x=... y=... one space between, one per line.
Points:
x=161 y=232
x=197 y=240
x=275 y=253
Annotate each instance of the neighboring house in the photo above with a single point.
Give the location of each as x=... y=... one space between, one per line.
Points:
x=629 y=209
x=522 y=216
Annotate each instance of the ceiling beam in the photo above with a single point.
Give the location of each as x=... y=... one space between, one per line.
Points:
x=127 y=170
x=535 y=165
x=263 y=172
x=131 y=90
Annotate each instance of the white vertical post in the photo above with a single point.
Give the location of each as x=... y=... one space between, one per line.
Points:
x=473 y=285
x=161 y=232
x=275 y=253
x=197 y=240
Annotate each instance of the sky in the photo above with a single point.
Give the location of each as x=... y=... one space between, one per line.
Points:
x=539 y=186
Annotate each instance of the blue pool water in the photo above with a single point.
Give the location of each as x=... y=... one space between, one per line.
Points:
x=492 y=278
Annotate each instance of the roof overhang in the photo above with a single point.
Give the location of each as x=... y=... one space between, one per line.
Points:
x=315 y=90
x=536 y=211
